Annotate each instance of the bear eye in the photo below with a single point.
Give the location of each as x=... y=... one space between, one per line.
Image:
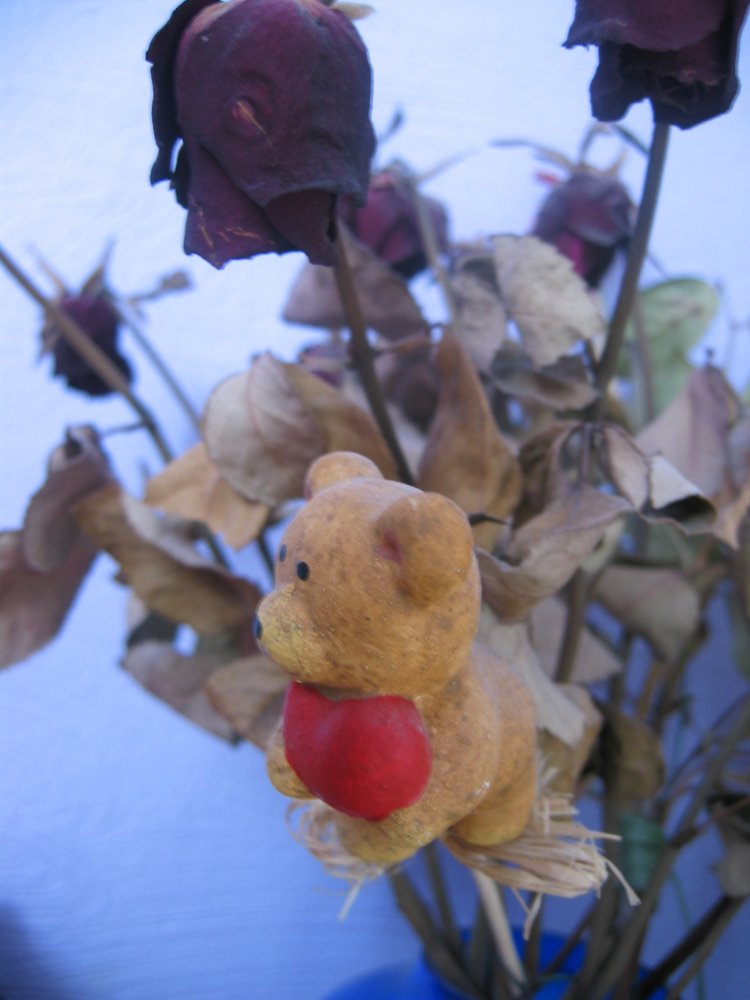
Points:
x=282 y=553
x=303 y=570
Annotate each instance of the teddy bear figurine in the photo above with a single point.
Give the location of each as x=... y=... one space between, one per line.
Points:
x=395 y=717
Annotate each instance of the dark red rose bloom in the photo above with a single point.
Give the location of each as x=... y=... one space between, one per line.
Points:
x=680 y=54
x=387 y=223
x=587 y=217
x=96 y=316
x=271 y=100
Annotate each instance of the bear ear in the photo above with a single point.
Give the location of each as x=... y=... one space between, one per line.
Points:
x=337 y=467
x=430 y=539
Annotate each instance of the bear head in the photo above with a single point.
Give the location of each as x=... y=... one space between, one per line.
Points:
x=376 y=585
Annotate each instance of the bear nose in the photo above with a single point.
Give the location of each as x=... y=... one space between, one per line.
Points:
x=257 y=627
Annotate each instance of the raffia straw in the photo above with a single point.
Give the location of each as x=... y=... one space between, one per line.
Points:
x=313 y=824
x=555 y=855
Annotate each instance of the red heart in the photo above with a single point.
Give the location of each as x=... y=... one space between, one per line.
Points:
x=365 y=757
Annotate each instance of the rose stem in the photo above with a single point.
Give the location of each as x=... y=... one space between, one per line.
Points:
x=362 y=355
x=157 y=361
x=614 y=964
x=412 y=906
x=91 y=354
x=442 y=897
x=431 y=249
x=636 y=256
x=723 y=908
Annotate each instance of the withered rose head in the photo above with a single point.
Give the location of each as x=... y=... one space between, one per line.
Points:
x=270 y=100
x=95 y=315
x=679 y=54
x=387 y=223
x=587 y=217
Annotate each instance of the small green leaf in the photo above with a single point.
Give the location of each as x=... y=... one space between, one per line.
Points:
x=674 y=315
x=641 y=847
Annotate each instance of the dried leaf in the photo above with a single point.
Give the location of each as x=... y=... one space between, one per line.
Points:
x=555 y=712
x=75 y=468
x=263 y=428
x=162 y=566
x=703 y=434
x=343 y=424
x=545 y=476
x=259 y=434
x=632 y=761
x=547 y=551
x=594 y=661
x=249 y=693
x=658 y=604
x=34 y=603
x=675 y=500
x=386 y=302
x=564 y=385
x=178 y=680
x=652 y=484
x=482 y=321
x=565 y=760
x=192 y=487
x=466 y=458
x=549 y=303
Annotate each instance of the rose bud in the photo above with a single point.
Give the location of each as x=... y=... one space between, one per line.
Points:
x=96 y=316
x=387 y=223
x=679 y=54
x=270 y=99
x=588 y=218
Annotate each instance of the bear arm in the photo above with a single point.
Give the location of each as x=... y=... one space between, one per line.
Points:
x=283 y=778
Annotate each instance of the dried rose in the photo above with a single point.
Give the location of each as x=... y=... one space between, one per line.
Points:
x=679 y=54
x=389 y=226
x=587 y=217
x=96 y=316
x=271 y=101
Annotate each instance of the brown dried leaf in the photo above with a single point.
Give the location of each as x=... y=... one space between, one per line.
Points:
x=549 y=303
x=343 y=425
x=555 y=712
x=466 y=458
x=657 y=490
x=250 y=694
x=387 y=304
x=694 y=434
x=162 y=566
x=547 y=551
x=544 y=476
x=34 y=603
x=632 y=759
x=192 y=487
x=259 y=433
x=481 y=324
x=564 y=385
x=178 y=680
x=594 y=661
x=658 y=604
x=75 y=468
x=565 y=760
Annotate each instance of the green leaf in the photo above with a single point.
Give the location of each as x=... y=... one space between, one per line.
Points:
x=641 y=847
x=675 y=315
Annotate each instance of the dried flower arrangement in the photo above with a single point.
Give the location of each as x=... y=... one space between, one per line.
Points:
x=604 y=483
